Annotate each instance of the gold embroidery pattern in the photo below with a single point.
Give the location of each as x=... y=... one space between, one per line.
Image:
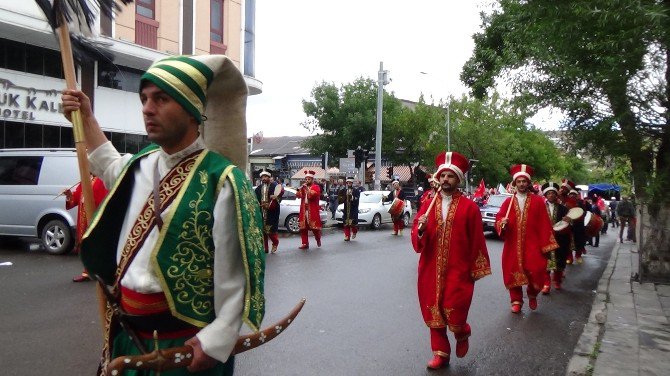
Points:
x=169 y=187
x=192 y=283
x=443 y=247
x=255 y=235
x=481 y=267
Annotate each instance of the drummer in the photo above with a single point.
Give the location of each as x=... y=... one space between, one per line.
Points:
x=569 y=196
x=397 y=193
x=559 y=219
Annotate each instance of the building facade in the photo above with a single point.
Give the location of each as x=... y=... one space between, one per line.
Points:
x=31 y=76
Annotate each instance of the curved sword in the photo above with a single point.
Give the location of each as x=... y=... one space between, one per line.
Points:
x=179 y=357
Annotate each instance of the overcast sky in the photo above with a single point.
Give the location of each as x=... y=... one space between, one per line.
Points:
x=300 y=43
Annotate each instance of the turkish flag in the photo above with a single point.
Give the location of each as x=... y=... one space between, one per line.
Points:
x=481 y=190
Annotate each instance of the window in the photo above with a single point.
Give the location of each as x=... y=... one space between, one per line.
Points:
x=26 y=58
x=20 y=170
x=216 y=21
x=119 y=77
x=146 y=8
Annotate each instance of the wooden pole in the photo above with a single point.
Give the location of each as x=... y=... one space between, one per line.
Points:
x=80 y=143
x=77 y=125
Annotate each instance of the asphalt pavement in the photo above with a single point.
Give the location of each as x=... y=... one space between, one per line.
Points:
x=361 y=315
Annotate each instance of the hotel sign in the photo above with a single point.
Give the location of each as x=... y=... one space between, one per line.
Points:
x=27 y=103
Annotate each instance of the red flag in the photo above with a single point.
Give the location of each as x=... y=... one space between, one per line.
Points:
x=481 y=190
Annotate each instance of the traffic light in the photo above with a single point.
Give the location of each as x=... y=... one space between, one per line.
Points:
x=323 y=162
x=389 y=172
x=366 y=155
x=358 y=157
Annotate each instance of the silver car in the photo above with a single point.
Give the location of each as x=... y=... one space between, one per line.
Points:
x=30 y=205
x=372 y=211
x=289 y=211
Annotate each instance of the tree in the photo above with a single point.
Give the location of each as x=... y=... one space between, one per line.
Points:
x=604 y=63
x=346 y=117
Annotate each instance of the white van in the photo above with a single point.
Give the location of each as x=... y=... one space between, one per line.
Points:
x=30 y=205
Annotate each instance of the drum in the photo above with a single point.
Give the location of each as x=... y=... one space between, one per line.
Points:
x=396 y=208
x=274 y=204
x=592 y=224
x=575 y=213
x=562 y=227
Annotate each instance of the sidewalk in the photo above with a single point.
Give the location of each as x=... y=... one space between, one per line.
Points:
x=628 y=331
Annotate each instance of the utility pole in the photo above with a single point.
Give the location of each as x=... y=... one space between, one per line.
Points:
x=448 y=126
x=382 y=79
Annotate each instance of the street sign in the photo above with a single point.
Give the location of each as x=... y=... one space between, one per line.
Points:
x=348 y=165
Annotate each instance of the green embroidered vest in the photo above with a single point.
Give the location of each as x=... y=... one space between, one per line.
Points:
x=183 y=256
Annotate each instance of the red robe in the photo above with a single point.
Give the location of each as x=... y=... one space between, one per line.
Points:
x=526 y=242
x=99 y=193
x=313 y=196
x=453 y=257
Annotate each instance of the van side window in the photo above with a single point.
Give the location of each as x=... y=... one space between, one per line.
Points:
x=20 y=170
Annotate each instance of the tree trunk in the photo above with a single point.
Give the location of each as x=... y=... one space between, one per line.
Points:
x=654 y=245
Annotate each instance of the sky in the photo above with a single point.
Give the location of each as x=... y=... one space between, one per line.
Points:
x=301 y=43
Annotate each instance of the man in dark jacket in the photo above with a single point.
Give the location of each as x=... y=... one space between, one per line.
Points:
x=348 y=196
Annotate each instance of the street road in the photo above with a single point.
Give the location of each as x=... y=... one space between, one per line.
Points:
x=361 y=316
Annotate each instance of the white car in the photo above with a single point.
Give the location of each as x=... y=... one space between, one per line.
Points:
x=373 y=212
x=289 y=211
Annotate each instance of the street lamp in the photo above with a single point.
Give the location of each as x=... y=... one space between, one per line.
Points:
x=382 y=79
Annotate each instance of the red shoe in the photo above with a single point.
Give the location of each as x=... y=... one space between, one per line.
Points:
x=557 y=285
x=462 y=348
x=516 y=307
x=83 y=277
x=304 y=246
x=438 y=362
x=346 y=238
x=532 y=303
x=546 y=289
x=318 y=243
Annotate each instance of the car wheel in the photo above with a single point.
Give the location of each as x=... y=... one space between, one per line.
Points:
x=292 y=224
x=57 y=237
x=376 y=222
x=405 y=219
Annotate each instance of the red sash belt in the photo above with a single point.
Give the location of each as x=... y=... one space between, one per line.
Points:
x=148 y=312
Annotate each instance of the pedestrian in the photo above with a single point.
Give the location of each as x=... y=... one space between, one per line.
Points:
x=309 y=194
x=558 y=216
x=269 y=196
x=179 y=238
x=397 y=199
x=613 y=217
x=625 y=210
x=75 y=198
x=525 y=227
x=332 y=196
x=349 y=196
x=447 y=233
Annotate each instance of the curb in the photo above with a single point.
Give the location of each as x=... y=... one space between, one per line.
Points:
x=586 y=350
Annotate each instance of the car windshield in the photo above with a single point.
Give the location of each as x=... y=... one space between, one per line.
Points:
x=496 y=200
x=370 y=198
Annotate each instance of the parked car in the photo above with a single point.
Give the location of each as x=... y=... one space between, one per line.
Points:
x=30 y=206
x=373 y=212
x=491 y=209
x=289 y=211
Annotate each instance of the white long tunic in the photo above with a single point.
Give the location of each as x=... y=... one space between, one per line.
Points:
x=219 y=337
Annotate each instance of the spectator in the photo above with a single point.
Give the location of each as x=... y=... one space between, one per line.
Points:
x=625 y=210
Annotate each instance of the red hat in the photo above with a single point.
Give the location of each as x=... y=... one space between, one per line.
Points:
x=520 y=170
x=452 y=161
x=568 y=184
x=309 y=173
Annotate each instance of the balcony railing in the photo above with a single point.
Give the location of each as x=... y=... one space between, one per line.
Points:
x=146 y=32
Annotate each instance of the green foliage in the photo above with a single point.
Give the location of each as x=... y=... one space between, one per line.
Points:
x=604 y=63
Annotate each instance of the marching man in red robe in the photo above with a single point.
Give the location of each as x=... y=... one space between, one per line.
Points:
x=309 y=195
x=524 y=224
x=75 y=198
x=448 y=234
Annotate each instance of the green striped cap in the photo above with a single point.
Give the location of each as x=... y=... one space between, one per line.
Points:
x=184 y=79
